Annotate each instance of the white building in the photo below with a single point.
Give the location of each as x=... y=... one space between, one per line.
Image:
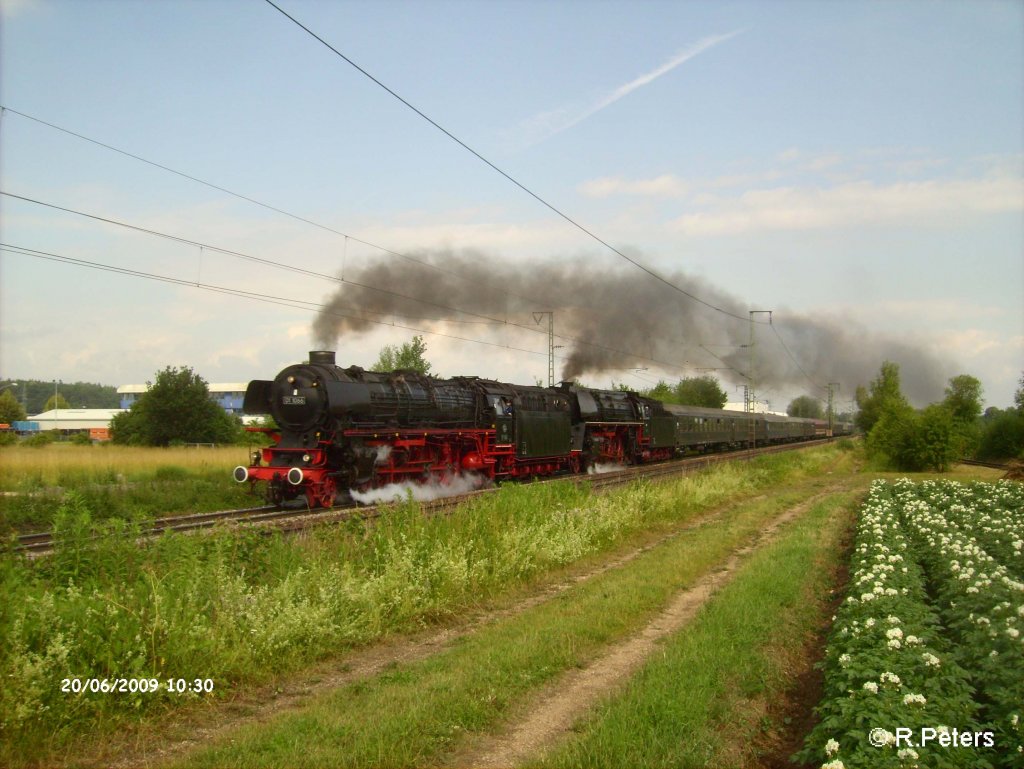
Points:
x=96 y=422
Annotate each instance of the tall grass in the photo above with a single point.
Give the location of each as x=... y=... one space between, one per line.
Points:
x=704 y=700
x=116 y=481
x=70 y=466
x=239 y=607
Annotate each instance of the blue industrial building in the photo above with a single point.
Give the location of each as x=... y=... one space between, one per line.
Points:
x=228 y=396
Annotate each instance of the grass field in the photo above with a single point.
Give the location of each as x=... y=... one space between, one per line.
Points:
x=122 y=482
x=523 y=588
x=240 y=609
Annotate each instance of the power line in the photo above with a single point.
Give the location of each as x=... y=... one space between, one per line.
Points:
x=796 y=362
x=269 y=207
x=246 y=198
x=299 y=304
x=278 y=265
x=507 y=176
x=247 y=257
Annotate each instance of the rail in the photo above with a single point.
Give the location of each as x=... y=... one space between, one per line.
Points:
x=271 y=519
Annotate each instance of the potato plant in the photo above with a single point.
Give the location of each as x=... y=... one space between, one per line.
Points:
x=925 y=663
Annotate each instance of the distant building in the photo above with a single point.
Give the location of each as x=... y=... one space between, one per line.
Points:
x=759 y=408
x=96 y=422
x=228 y=396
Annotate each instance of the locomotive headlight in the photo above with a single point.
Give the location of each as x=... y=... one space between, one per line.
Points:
x=256 y=457
x=241 y=474
x=295 y=476
x=306 y=458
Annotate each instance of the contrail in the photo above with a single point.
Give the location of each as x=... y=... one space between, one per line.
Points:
x=548 y=124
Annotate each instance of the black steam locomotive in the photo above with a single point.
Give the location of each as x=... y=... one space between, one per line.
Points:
x=344 y=429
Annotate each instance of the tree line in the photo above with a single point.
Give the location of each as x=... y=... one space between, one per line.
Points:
x=903 y=438
x=177 y=409
x=23 y=397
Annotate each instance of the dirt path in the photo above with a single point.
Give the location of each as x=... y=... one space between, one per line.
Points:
x=202 y=725
x=551 y=715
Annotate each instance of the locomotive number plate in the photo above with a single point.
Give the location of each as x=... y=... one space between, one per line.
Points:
x=293 y=400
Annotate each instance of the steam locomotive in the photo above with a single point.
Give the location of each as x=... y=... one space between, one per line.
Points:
x=350 y=429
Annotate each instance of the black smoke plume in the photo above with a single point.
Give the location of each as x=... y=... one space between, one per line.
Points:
x=617 y=319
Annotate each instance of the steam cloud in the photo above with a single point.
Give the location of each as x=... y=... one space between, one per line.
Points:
x=625 y=310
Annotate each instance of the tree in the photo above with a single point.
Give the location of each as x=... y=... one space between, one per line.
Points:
x=891 y=433
x=701 y=391
x=176 y=408
x=408 y=356
x=56 y=401
x=10 y=409
x=963 y=400
x=884 y=395
x=1002 y=435
x=662 y=391
x=805 y=406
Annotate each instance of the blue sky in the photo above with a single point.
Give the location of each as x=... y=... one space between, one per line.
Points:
x=854 y=163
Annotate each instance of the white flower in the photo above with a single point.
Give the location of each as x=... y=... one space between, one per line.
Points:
x=914 y=699
x=871 y=686
x=831 y=747
x=845 y=659
x=890 y=678
x=894 y=644
x=837 y=764
x=930 y=659
x=905 y=753
x=894 y=633
x=1012 y=632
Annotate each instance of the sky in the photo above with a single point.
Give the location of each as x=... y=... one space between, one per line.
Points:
x=855 y=167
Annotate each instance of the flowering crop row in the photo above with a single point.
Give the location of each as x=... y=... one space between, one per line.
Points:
x=888 y=664
x=980 y=599
x=994 y=515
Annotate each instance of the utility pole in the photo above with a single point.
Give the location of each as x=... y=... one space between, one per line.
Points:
x=753 y=380
x=537 y=318
x=831 y=412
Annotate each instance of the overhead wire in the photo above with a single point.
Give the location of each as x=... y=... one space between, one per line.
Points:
x=268 y=206
x=4 y=109
x=796 y=362
x=505 y=174
x=246 y=257
x=300 y=304
x=303 y=271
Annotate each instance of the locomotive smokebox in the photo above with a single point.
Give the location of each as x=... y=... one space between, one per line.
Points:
x=323 y=357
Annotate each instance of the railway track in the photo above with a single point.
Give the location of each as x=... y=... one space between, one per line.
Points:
x=994 y=465
x=270 y=518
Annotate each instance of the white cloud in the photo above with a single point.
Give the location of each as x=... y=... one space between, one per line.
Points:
x=854 y=204
x=666 y=185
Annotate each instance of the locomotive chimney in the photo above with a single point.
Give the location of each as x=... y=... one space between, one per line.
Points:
x=323 y=357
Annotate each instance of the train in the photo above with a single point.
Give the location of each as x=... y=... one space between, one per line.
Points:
x=344 y=429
